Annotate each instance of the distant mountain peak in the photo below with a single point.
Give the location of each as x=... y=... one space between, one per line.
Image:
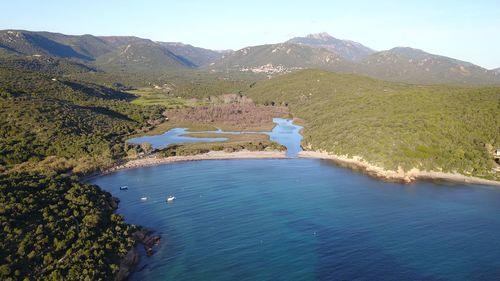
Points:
x=345 y=48
x=180 y=44
x=320 y=36
x=406 y=51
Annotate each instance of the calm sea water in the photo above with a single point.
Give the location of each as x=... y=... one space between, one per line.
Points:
x=306 y=219
x=285 y=133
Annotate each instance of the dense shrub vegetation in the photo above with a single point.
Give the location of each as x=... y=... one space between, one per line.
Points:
x=44 y=64
x=392 y=124
x=55 y=228
x=234 y=143
x=174 y=84
x=45 y=116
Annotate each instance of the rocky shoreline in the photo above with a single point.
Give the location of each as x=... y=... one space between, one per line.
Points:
x=142 y=236
x=127 y=266
x=401 y=176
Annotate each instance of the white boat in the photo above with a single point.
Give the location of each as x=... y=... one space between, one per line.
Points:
x=144 y=198
x=170 y=198
x=125 y=187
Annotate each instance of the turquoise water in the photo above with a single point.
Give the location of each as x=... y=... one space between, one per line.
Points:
x=306 y=219
x=285 y=133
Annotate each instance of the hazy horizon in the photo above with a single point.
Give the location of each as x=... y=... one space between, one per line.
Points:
x=465 y=31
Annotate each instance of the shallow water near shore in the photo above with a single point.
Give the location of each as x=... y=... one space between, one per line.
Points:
x=306 y=219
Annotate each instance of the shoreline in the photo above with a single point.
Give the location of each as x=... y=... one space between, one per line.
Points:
x=357 y=163
x=211 y=155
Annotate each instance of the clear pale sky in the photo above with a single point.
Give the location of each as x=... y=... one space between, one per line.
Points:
x=466 y=30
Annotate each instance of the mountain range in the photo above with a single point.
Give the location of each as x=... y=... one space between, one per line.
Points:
x=320 y=51
x=127 y=53
x=402 y=64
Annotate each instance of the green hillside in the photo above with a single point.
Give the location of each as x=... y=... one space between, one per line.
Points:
x=38 y=43
x=51 y=116
x=44 y=64
x=144 y=56
x=392 y=124
x=54 y=227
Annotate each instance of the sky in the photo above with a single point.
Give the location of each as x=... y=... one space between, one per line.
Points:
x=466 y=30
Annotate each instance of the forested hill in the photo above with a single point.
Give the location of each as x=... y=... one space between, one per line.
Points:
x=48 y=115
x=54 y=227
x=393 y=124
x=43 y=64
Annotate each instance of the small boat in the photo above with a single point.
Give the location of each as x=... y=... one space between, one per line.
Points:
x=144 y=198
x=125 y=187
x=170 y=198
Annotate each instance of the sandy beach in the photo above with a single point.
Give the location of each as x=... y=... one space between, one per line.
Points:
x=356 y=163
x=395 y=176
x=212 y=155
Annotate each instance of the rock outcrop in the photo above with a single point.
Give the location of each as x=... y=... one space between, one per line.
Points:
x=131 y=259
x=147 y=239
x=127 y=265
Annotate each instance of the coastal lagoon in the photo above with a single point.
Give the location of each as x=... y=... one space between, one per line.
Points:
x=172 y=136
x=306 y=219
x=285 y=133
